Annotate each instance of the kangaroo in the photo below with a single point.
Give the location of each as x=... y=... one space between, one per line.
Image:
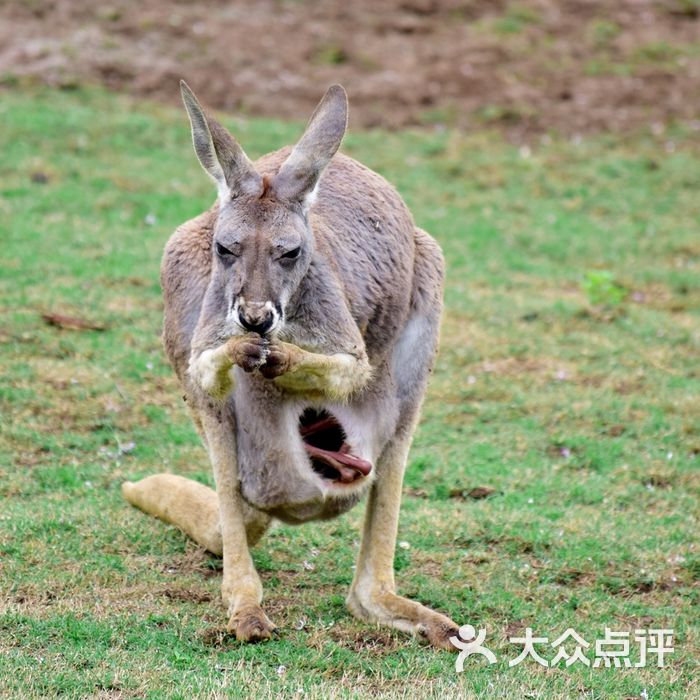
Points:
x=302 y=315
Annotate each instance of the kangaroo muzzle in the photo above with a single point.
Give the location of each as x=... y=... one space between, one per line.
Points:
x=257 y=317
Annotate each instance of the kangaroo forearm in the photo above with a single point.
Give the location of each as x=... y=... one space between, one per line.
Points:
x=299 y=371
x=211 y=369
x=333 y=376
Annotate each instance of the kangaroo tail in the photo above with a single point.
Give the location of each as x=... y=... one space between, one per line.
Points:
x=192 y=507
x=185 y=503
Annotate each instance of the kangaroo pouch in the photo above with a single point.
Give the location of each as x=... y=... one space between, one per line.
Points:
x=300 y=461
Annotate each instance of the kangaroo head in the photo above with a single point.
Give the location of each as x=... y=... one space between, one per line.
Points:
x=262 y=241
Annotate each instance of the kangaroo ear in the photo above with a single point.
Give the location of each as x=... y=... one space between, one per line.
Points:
x=299 y=174
x=219 y=153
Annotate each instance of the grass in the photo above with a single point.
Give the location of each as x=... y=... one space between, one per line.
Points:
x=581 y=410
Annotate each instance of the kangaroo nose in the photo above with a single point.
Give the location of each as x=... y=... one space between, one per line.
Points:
x=256 y=321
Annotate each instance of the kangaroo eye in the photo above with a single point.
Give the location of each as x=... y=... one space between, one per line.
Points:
x=292 y=254
x=223 y=252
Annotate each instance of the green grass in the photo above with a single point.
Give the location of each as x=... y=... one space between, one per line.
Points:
x=580 y=408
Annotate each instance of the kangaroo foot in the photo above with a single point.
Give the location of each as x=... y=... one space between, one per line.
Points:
x=404 y=614
x=251 y=624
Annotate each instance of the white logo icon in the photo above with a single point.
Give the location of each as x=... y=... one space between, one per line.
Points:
x=467 y=632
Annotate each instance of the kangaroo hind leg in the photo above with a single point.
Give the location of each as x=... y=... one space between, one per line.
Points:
x=373 y=594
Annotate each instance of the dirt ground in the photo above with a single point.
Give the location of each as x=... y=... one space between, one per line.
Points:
x=529 y=67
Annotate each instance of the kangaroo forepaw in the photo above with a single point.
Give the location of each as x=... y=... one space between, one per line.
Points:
x=278 y=361
x=404 y=614
x=251 y=624
x=248 y=352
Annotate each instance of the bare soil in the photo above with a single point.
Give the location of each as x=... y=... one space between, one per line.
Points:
x=529 y=67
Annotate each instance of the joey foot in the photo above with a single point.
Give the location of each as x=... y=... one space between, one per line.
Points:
x=251 y=624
